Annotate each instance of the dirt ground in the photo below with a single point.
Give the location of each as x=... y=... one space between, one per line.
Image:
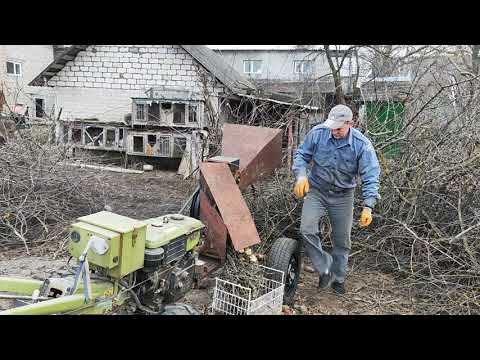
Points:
x=160 y=192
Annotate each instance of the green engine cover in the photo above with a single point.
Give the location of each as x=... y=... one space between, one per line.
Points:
x=125 y=236
x=161 y=230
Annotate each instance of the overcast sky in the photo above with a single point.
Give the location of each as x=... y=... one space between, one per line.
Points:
x=260 y=47
x=264 y=47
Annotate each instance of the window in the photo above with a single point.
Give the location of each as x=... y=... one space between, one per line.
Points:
x=120 y=138
x=252 y=66
x=140 y=111
x=77 y=136
x=138 y=144
x=39 y=108
x=151 y=141
x=303 y=66
x=179 y=113
x=164 y=145
x=349 y=66
x=192 y=113
x=94 y=135
x=179 y=146
x=110 y=141
x=14 y=68
x=154 y=112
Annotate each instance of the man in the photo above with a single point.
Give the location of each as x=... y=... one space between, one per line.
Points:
x=339 y=153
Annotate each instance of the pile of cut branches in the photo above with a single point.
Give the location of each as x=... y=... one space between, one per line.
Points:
x=39 y=195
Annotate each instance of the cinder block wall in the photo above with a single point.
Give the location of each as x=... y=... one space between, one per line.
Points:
x=100 y=81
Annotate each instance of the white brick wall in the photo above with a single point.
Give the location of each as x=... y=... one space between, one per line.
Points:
x=107 y=104
x=101 y=80
x=100 y=60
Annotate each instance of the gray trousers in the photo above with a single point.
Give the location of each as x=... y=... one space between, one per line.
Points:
x=339 y=208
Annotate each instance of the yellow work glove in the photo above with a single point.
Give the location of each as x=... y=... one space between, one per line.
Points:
x=301 y=187
x=365 y=217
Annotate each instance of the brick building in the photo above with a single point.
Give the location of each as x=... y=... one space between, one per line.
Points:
x=149 y=100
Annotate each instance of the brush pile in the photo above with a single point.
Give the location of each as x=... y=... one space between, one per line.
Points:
x=39 y=195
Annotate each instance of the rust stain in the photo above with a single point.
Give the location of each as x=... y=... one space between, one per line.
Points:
x=258 y=148
x=219 y=184
x=216 y=233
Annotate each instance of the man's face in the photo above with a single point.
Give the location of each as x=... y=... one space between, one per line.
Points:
x=342 y=132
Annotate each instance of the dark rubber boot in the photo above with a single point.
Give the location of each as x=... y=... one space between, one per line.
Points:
x=325 y=280
x=338 y=287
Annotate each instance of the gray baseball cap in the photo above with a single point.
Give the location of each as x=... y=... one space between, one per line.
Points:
x=338 y=116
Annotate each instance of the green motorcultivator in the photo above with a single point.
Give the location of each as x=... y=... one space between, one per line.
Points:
x=115 y=255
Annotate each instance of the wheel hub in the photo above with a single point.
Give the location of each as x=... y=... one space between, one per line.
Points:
x=291 y=273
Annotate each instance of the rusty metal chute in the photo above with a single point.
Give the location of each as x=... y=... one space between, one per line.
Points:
x=259 y=152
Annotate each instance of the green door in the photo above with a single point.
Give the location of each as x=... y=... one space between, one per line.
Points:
x=384 y=120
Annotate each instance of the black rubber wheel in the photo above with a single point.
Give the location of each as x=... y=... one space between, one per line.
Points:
x=195 y=206
x=285 y=255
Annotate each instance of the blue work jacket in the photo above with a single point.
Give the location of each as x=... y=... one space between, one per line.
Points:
x=337 y=163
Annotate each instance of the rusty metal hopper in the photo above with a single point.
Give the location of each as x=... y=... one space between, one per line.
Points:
x=258 y=148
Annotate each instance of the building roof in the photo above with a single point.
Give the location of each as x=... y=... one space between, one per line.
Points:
x=210 y=60
x=215 y=64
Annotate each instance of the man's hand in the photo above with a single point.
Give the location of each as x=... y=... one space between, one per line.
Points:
x=301 y=187
x=365 y=217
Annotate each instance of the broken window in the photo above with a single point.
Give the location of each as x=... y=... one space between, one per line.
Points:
x=76 y=136
x=192 y=113
x=164 y=145
x=141 y=112
x=154 y=112
x=138 y=144
x=110 y=141
x=166 y=106
x=152 y=140
x=94 y=136
x=179 y=146
x=179 y=114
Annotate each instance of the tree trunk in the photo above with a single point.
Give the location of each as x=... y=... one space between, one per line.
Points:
x=475 y=59
x=337 y=80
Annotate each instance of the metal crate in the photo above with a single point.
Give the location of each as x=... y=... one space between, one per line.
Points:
x=233 y=299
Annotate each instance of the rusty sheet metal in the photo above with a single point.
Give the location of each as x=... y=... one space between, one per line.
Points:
x=216 y=233
x=259 y=150
x=221 y=186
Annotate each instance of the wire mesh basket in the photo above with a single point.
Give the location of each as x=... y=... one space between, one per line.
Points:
x=266 y=299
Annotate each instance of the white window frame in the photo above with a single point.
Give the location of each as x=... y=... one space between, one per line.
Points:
x=302 y=66
x=250 y=66
x=348 y=67
x=15 y=64
x=144 y=112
